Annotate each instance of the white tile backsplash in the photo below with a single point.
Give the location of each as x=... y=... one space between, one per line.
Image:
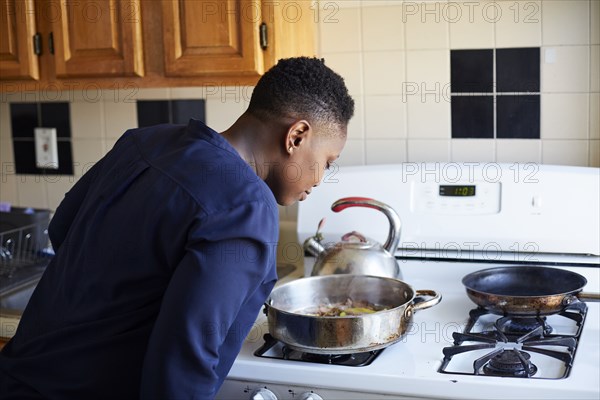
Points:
x=426 y=25
x=594 y=115
x=86 y=152
x=384 y=72
x=518 y=150
x=595 y=22
x=468 y=150
x=382 y=28
x=385 y=117
x=119 y=116
x=386 y=151
x=394 y=57
x=565 y=152
x=6 y=153
x=340 y=30
x=428 y=117
x=9 y=188
x=565 y=22
x=32 y=191
x=353 y=153
x=472 y=23
x=152 y=94
x=5 y=130
x=594 y=153
x=330 y=8
x=429 y=69
x=428 y=150
x=565 y=69
x=87 y=120
x=520 y=24
x=564 y=116
x=594 y=68
x=221 y=115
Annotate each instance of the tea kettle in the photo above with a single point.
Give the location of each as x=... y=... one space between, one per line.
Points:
x=356 y=254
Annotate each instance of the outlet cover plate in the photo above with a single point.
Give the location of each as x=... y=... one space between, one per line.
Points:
x=46 y=149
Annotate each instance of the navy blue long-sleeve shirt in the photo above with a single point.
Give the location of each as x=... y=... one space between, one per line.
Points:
x=165 y=252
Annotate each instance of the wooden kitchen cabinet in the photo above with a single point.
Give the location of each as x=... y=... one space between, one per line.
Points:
x=134 y=44
x=96 y=38
x=17 y=31
x=83 y=38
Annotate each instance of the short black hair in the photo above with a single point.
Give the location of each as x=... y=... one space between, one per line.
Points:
x=302 y=87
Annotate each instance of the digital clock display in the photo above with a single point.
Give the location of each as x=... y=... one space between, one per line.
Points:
x=457 y=190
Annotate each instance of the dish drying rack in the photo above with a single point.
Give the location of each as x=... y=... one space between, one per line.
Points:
x=24 y=247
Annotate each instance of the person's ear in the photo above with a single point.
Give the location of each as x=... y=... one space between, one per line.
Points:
x=296 y=136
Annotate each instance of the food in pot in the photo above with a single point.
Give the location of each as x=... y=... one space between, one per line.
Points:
x=344 y=309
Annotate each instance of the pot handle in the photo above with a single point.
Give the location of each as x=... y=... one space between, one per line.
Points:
x=422 y=304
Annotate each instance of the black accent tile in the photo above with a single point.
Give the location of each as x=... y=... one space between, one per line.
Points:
x=472 y=117
x=153 y=112
x=471 y=71
x=518 y=117
x=24 y=156
x=518 y=70
x=65 y=159
x=24 y=118
x=183 y=110
x=56 y=115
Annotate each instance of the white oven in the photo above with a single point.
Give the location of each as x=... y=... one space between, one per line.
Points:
x=457 y=218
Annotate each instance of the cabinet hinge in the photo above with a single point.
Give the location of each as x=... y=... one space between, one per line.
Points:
x=37 y=44
x=262 y=29
x=51 y=43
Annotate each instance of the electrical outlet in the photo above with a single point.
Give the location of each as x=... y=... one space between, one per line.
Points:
x=46 y=149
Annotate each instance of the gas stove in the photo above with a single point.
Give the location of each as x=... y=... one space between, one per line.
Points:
x=493 y=345
x=453 y=350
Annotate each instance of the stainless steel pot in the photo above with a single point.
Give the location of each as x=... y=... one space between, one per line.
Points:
x=288 y=322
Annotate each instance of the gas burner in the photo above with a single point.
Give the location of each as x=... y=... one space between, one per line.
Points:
x=272 y=348
x=514 y=363
x=327 y=358
x=522 y=325
x=505 y=345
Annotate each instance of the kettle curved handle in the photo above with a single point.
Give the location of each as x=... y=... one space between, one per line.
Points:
x=393 y=239
x=347 y=202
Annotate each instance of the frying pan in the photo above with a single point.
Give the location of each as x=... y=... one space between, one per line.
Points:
x=525 y=290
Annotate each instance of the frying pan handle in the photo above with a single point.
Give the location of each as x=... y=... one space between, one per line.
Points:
x=588 y=296
x=420 y=304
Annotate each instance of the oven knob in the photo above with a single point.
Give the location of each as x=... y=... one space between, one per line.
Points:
x=263 y=394
x=310 y=396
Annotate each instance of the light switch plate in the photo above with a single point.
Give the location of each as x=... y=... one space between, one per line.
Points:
x=46 y=149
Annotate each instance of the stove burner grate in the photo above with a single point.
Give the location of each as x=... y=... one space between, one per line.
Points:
x=272 y=348
x=510 y=341
x=510 y=363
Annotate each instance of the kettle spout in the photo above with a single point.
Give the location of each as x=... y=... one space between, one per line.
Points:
x=313 y=246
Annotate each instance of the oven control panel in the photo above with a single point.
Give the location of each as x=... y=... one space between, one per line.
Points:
x=234 y=389
x=456 y=198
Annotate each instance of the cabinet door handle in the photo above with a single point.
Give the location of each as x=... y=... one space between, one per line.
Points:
x=51 y=43
x=262 y=29
x=37 y=44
